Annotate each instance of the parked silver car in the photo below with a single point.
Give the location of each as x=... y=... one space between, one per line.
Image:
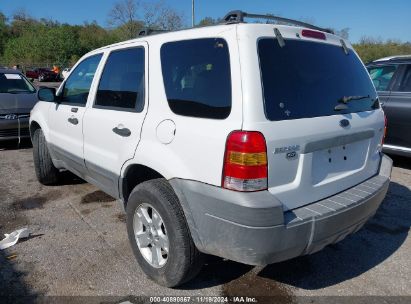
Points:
x=17 y=98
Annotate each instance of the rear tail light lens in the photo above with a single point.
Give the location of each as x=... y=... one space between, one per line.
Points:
x=245 y=162
x=313 y=34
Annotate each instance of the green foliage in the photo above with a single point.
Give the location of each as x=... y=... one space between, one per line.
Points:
x=41 y=43
x=27 y=41
x=92 y=36
x=206 y=21
x=4 y=33
x=370 y=49
x=126 y=31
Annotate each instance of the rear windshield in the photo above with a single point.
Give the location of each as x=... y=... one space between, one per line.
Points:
x=306 y=79
x=15 y=83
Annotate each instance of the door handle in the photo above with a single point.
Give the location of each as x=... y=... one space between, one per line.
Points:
x=73 y=120
x=74 y=110
x=122 y=131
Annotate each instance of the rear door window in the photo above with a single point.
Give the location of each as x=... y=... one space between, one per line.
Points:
x=382 y=75
x=122 y=82
x=305 y=79
x=197 y=77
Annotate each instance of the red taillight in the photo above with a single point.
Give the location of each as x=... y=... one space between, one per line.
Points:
x=313 y=34
x=245 y=162
x=385 y=130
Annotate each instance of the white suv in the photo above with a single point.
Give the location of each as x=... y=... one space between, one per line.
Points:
x=253 y=142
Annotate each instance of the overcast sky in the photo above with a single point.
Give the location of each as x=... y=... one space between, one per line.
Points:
x=376 y=18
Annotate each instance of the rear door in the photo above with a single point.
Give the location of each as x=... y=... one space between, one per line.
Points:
x=66 y=117
x=113 y=124
x=317 y=144
x=398 y=111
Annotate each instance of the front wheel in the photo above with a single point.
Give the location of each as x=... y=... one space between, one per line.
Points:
x=159 y=234
x=46 y=173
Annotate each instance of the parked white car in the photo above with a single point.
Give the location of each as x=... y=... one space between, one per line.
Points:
x=253 y=142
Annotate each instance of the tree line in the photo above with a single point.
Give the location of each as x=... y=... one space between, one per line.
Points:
x=28 y=41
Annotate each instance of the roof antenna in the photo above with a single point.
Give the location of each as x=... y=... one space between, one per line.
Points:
x=279 y=37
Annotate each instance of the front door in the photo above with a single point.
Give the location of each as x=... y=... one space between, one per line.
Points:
x=66 y=117
x=113 y=124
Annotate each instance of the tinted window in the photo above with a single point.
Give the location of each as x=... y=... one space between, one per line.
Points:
x=381 y=76
x=197 y=77
x=15 y=83
x=405 y=85
x=122 y=82
x=77 y=86
x=307 y=79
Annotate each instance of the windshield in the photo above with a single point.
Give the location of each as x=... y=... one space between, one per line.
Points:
x=305 y=79
x=15 y=83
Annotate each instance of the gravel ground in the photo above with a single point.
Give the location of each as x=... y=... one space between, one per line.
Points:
x=78 y=247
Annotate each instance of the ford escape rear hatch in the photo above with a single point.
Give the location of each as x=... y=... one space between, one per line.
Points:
x=324 y=129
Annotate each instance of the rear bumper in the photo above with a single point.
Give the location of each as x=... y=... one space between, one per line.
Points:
x=14 y=129
x=252 y=228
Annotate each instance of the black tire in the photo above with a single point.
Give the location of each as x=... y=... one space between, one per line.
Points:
x=46 y=173
x=184 y=260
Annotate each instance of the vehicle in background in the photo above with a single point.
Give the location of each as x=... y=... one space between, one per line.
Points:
x=392 y=79
x=42 y=74
x=65 y=73
x=17 y=98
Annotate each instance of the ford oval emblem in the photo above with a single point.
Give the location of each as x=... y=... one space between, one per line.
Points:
x=344 y=123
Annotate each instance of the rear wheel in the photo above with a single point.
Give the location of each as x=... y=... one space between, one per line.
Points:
x=46 y=173
x=159 y=234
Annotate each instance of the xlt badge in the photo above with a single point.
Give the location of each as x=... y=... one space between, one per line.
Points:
x=292 y=148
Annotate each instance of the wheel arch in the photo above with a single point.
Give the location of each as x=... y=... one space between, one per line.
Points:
x=134 y=175
x=34 y=126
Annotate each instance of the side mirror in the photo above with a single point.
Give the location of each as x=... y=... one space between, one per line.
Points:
x=47 y=94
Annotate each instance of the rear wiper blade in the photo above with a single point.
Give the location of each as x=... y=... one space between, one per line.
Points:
x=343 y=101
x=347 y=99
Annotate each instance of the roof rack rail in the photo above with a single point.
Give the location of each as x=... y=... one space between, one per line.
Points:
x=148 y=31
x=392 y=58
x=238 y=16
